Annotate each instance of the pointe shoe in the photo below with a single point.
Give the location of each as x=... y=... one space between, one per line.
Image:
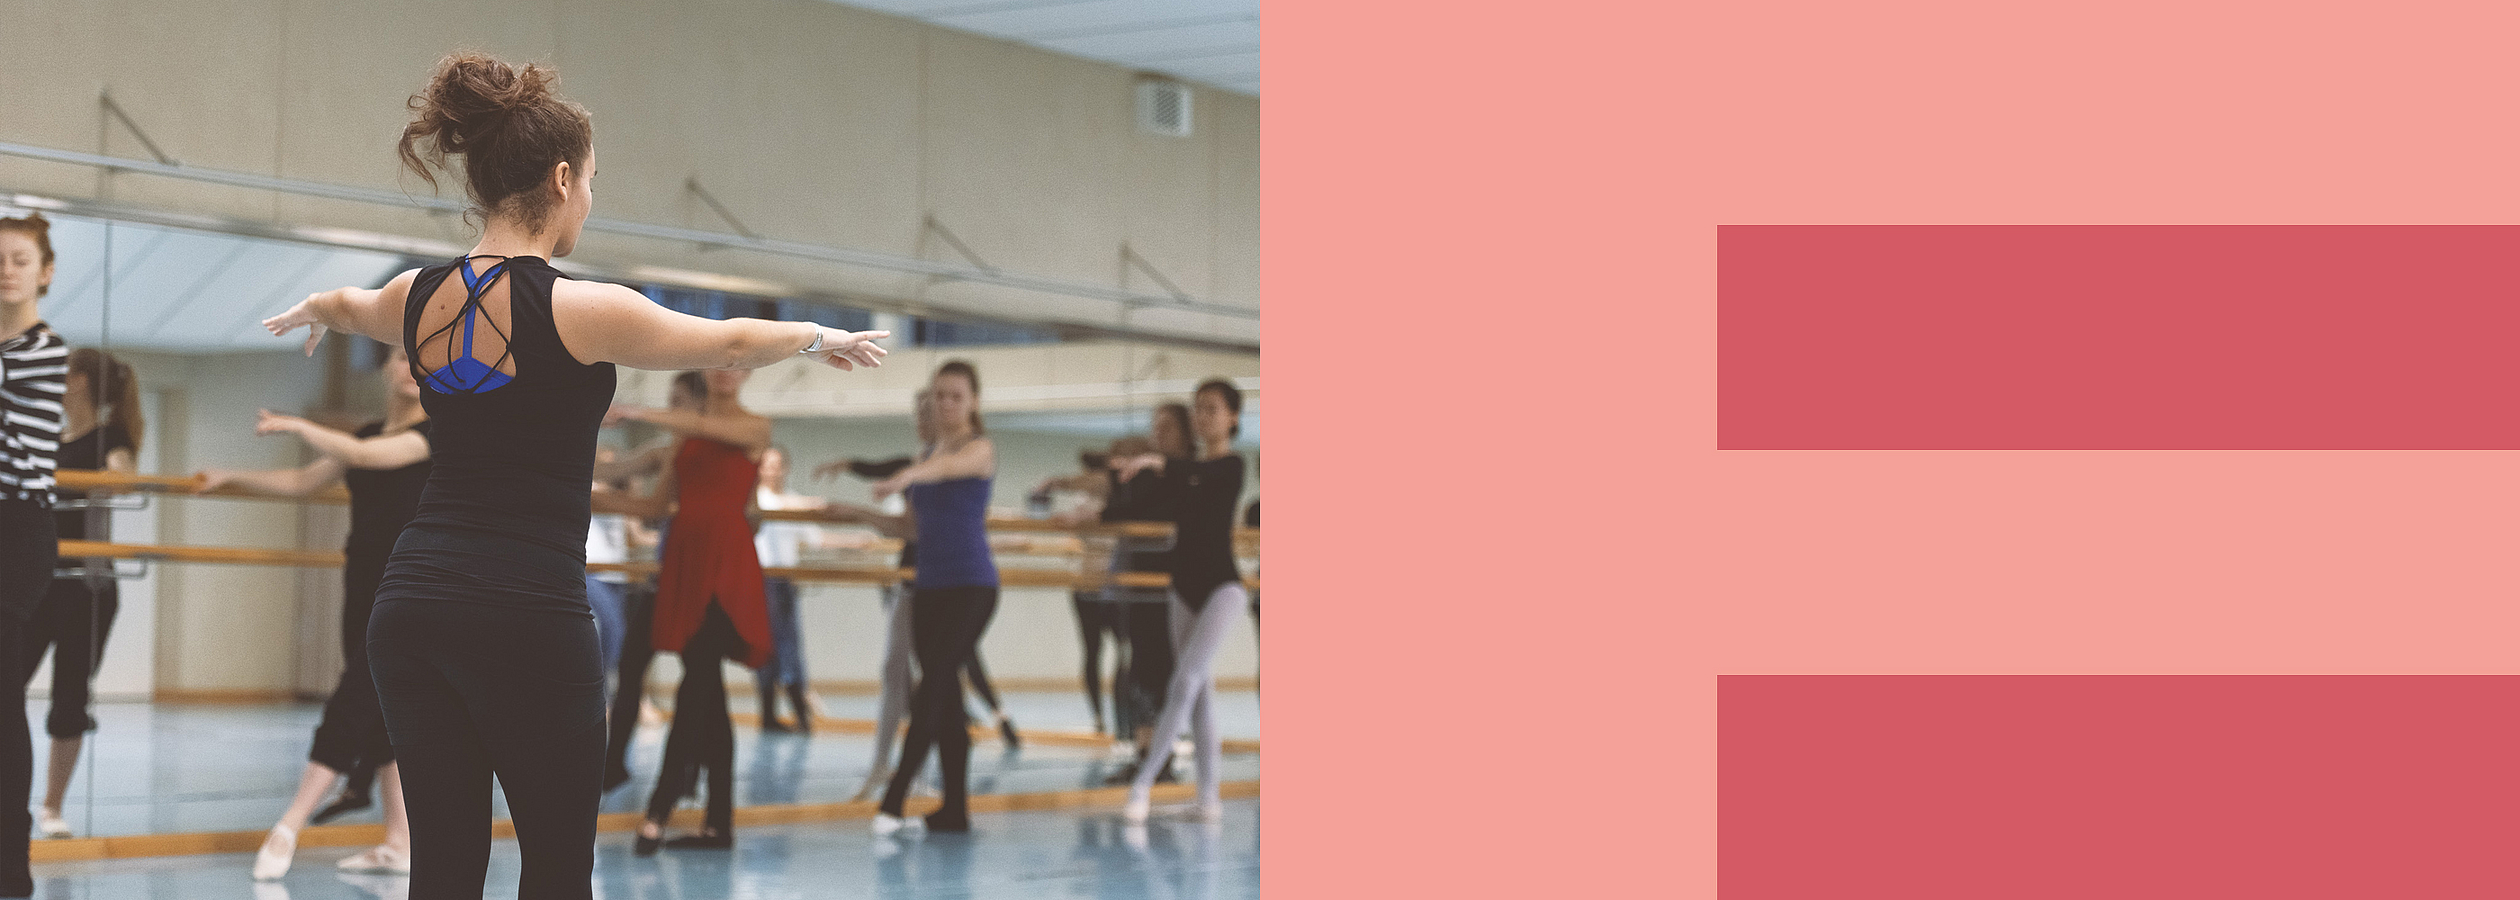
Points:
x=51 y=825
x=1134 y=812
x=1206 y=812
x=381 y=859
x=278 y=851
x=887 y=825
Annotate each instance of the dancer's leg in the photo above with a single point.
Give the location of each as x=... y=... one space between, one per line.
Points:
x=441 y=756
x=1192 y=671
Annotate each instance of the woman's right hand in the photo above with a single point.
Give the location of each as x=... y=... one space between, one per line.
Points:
x=301 y=314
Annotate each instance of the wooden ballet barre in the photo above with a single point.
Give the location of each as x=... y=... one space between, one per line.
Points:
x=878 y=575
x=95 y=481
x=888 y=575
x=117 y=482
x=248 y=556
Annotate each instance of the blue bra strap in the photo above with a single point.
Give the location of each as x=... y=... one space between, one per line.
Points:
x=474 y=287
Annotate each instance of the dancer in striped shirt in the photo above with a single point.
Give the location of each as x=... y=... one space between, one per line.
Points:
x=34 y=373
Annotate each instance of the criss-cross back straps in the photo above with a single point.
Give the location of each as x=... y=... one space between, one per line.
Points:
x=462 y=373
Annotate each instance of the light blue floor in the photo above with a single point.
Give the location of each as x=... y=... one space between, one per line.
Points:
x=1079 y=853
x=171 y=769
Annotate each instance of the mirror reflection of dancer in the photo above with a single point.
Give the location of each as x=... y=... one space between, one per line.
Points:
x=952 y=596
x=1140 y=495
x=637 y=648
x=482 y=644
x=781 y=545
x=33 y=372
x=710 y=606
x=896 y=676
x=384 y=464
x=1097 y=615
x=1207 y=591
x=78 y=611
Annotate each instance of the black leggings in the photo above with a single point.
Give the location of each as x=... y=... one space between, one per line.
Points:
x=638 y=613
x=945 y=628
x=1096 y=617
x=701 y=737
x=1150 y=661
x=471 y=690
x=350 y=738
x=74 y=620
x=28 y=549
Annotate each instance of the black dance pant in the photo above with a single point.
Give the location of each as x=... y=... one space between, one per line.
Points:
x=1096 y=617
x=472 y=690
x=638 y=613
x=945 y=628
x=702 y=737
x=28 y=549
x=73 y=621
x=351 y=738
x=1150 y=661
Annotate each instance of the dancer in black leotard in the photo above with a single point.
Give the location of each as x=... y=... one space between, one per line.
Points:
x=482 y=644
x=1207 y=590
x=384 y=464
x=1149 y=612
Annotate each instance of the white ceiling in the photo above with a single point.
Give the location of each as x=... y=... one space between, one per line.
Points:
x=1212 y=42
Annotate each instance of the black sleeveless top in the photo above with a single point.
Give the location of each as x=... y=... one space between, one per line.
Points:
x=87 y=452
x=503 y=518
x=382 y=501
x=1204 y=493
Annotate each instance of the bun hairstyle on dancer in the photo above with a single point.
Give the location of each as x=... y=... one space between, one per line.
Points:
x=510 y=127
x=483 y=647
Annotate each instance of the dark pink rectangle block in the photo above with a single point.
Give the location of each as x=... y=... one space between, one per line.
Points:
x=1859 y=337
x=2303 y=787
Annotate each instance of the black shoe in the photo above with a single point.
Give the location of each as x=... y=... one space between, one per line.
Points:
x=722 y=840
x=646 y=846
x=804 y=710
x=956 y=823
x=774 y=726
x=1006 y=727
x=348 y=802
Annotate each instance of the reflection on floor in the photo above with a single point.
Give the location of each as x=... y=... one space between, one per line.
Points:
x=162 y=769
x=1074 y=853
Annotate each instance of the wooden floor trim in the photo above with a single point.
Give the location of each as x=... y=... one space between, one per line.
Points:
x=210 y=842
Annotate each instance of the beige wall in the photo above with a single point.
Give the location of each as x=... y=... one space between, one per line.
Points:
x=812 y=121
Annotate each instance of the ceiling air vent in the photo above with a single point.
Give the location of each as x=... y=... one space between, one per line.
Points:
x=1163 y=106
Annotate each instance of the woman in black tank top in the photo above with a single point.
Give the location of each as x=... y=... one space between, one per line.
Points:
x=482 y=643
x=384 y=464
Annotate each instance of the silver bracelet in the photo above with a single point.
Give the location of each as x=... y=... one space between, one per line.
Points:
x=816 y=345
